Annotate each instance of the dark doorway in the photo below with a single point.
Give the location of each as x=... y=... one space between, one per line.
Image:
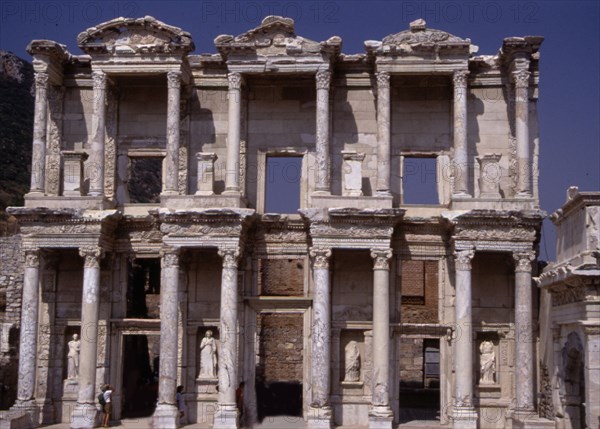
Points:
x=279 y=399
x=279 y=373
x=140 y=384
x=420 y=379
x=143 y=289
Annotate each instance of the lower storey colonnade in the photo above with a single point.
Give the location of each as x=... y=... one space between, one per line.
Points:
x=215 y=393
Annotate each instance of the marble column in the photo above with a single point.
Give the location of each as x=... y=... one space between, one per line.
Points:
x=323 y=175
x=173 y=114
x=96 y=162
x=461 y=153
x=521 y=79
x=40 y=119
x=166 y=415
x=524 y=359
x=84 y=414
x=380 y=414
x=592 y=373
x=384 y=133
x=226 y=416
x=29 y=336
x=234 y=96
x=464 y=414
x=319 y=414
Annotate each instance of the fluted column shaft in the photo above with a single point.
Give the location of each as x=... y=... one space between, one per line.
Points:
x=169 y=311
x=40 y=119
x=521 y=79
x=461 y=157
x=173 y=115
x=321 y=328
x=85 y=411
x=29 y=326
x=464 y=413
x=96 y=163
x=383 y=133
x=323 y=177
x=234 y=96
x=381 y=333
x=524 y=369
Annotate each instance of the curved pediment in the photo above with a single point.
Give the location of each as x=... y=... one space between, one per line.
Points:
x=275 y=36
x=129 y=36
x=418 y=38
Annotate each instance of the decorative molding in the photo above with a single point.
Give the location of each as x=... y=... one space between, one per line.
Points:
x=99 y=80
x=41 y=80
x=170 y=257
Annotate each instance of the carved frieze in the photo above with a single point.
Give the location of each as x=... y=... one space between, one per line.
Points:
x=487 y=233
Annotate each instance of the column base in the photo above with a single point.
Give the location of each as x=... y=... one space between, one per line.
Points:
x=530 y=420
x=464 y=418
x=461 y=195
x=381 y=417
x=24 y=414
x=523 y=195
x=226 y=417
x=84 y=416
x=319 y=418
x=383 y=193
x=166 y=416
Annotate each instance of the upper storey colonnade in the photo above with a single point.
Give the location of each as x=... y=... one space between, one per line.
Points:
x=146 y=46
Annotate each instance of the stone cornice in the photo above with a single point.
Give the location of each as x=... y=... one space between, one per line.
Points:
x=576 y=200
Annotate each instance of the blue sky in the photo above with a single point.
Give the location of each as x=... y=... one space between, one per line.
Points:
x=569 y=98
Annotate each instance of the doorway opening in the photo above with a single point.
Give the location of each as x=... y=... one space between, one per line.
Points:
x=143 y=288
x=419 y=379
x=279 y=371
x=140 y=375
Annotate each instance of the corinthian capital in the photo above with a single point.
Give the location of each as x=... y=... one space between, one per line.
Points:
x=323 y=78
x=174 y=79
x=32 y=258
x=383 y=80
x=91 y=255
x=459 y=78
x=462 y=259
x=170 y=257
x=235 y=80
x=41 y=80
x=523 y=261
x=320 y=257
x=99 y=80
x=381 y=258
x=521 y=78
x=230 y=257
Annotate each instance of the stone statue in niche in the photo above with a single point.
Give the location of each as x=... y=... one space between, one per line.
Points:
x=487 y=362
x=208 y=356
x=73 y=357
x=352 y=367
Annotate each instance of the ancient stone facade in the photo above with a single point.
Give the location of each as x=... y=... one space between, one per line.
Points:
x=570 y=316
x=329 y=306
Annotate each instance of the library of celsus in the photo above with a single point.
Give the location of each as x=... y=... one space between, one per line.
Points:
x=395 y=284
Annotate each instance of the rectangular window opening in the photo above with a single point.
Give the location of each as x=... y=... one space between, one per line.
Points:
x=282 y=183
x=419 y=180
x=145 y=180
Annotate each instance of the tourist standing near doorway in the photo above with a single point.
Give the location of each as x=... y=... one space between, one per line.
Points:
x=107 y=408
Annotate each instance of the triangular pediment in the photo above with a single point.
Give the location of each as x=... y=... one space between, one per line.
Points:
x=130 y=36
x=275 y=36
